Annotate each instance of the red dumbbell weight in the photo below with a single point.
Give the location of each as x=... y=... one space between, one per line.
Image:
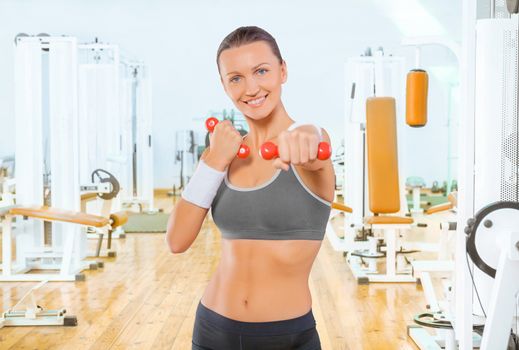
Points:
x=269 y=150
x=244 y=150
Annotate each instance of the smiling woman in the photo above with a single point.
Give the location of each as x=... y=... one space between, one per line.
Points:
x=252 y=70
x=272 y=221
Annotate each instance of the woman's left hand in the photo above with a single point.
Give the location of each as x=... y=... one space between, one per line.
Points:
x=298 y=147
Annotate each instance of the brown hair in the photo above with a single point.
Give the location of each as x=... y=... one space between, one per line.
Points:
x=247 y=35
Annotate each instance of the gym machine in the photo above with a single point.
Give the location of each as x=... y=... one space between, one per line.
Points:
x=489 y=195
x=366 y=76
x=101 y=128
x=46 y=140
x=137 y=188
x=115 y=122
x=100 y=121
x=487 y=252
x=47 y=161
x=368 y=238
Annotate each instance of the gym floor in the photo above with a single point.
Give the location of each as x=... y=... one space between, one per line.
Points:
x=146 y=298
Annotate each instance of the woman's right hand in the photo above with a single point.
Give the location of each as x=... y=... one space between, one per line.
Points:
x=224 y=144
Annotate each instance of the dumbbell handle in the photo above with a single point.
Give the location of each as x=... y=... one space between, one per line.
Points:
x=269 y=150
x=210 y=124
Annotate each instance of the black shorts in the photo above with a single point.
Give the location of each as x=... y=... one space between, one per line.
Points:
x=213 y=331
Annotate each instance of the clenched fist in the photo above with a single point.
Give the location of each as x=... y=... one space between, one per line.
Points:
x=299 y=147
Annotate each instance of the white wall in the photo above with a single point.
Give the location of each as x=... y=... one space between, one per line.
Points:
x=178 y=40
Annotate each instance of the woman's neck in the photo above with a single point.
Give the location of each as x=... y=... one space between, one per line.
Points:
x=267 y=128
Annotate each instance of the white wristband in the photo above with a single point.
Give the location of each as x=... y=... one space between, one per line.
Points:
x=296 y=125
x=203 y=185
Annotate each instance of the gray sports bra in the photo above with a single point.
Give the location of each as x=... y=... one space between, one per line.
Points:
x=283 y=208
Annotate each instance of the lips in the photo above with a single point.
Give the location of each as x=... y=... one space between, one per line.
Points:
x=256 y=102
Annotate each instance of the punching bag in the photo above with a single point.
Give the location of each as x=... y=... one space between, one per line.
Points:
x=416 y=98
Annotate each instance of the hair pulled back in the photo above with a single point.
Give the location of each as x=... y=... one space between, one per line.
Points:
x=247 y=35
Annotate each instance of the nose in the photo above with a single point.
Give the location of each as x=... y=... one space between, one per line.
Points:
x=252 y=88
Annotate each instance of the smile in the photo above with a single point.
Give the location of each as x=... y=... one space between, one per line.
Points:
x=256 y=102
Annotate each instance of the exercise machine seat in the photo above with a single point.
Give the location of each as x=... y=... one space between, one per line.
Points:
x=52 y=214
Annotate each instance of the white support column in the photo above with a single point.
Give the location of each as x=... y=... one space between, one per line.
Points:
x=390 y=238
x=144 y=138
x=29 y=140
x=125 y=108
x=64 y=135
x=28 y=105
x=68 y=250
x=463 y=288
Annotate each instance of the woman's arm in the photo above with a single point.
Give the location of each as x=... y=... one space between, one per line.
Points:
x=185 y=221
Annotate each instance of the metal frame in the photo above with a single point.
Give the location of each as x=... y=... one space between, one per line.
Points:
x=470 y=197
x=101 y=147
x=58 y=106
x=65 y=260
x=34 y=315
x=137 y=139
x=473 y=193
x=367 y=76
x=396 y=270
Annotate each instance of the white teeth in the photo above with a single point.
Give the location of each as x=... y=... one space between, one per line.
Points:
x=256 y=101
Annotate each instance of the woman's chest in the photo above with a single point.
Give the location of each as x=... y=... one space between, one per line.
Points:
x=256 y=175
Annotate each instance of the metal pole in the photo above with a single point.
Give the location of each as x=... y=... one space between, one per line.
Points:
x=134 y=131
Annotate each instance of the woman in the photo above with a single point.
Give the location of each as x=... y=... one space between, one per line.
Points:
x=272 y=214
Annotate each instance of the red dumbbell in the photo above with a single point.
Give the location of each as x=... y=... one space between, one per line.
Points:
x=244 y=150
x=269 y=150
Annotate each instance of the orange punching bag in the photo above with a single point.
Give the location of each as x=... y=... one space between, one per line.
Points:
x=416 y=98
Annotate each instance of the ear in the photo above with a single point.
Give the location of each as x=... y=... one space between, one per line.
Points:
x=284 y=72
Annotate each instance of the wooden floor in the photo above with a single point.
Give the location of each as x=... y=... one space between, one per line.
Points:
x=146 y=299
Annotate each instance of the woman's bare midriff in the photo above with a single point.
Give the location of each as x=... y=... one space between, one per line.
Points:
x=262 y=280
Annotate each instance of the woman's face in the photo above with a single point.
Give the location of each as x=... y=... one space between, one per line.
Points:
x=252 y=77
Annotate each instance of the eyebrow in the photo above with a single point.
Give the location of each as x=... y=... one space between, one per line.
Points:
x=253 y=68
